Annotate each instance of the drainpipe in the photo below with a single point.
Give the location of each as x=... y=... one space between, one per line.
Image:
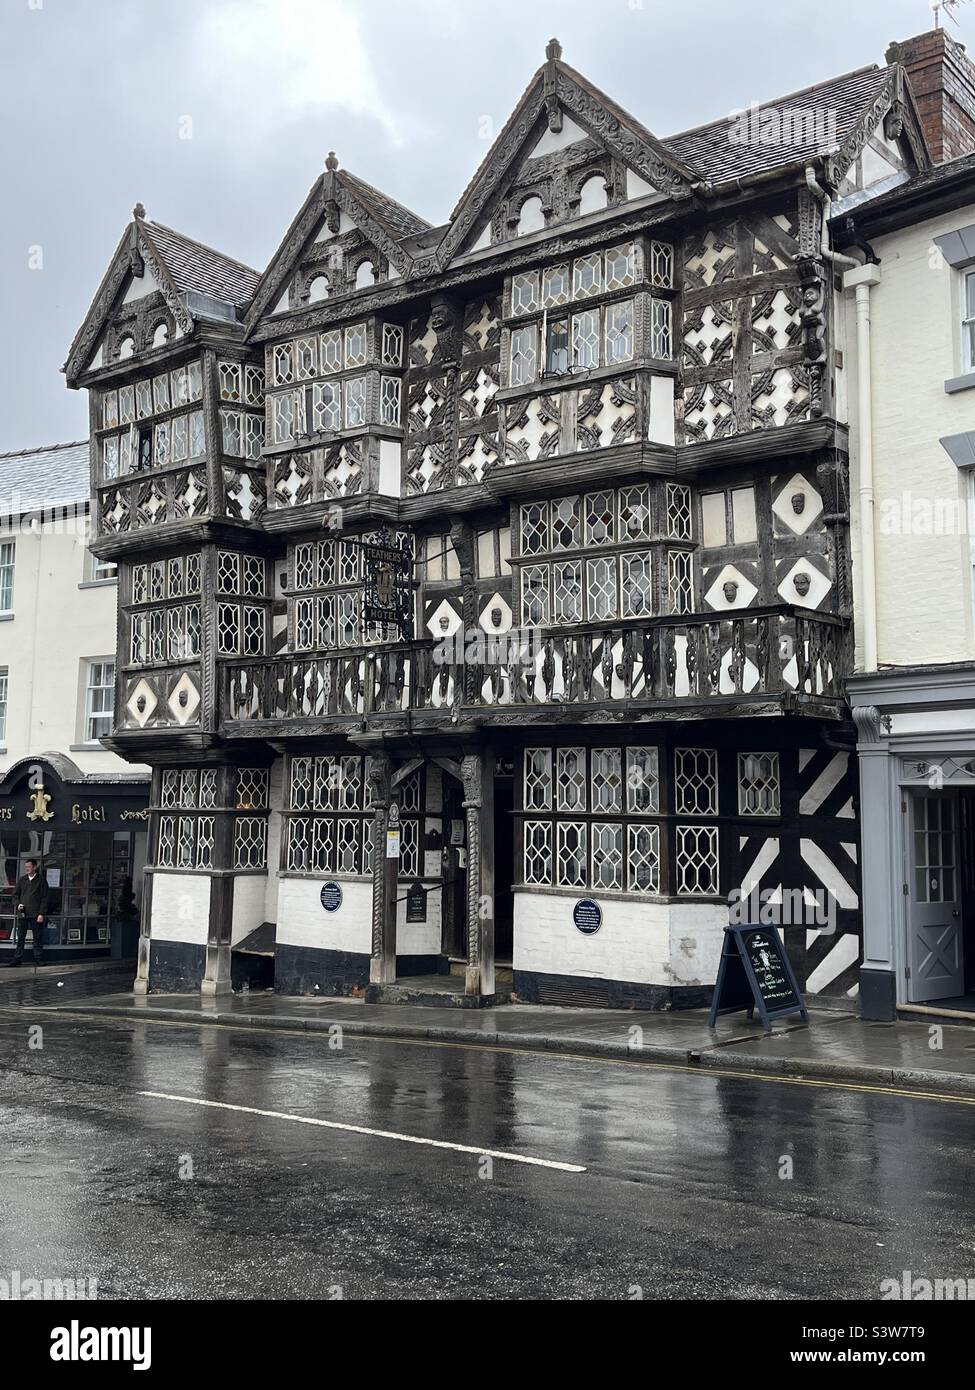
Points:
x=859 y=278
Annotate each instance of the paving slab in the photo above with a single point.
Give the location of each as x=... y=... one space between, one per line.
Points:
x=834 y=1046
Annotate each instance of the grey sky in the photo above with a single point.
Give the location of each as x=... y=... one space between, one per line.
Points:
x=95 y=94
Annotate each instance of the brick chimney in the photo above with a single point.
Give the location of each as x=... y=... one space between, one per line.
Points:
x=943 y=80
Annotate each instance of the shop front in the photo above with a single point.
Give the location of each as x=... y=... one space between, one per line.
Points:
x=89 y=835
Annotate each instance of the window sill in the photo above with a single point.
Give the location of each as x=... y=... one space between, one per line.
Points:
x=6 y=617
x=965 y=382
x=98 y=583
x=94 y=747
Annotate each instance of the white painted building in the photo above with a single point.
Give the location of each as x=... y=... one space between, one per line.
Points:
x=58 y=617
x=910 y=339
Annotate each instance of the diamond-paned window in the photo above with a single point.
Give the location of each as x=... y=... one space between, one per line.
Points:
x=524 y=355
x=661 y=265
x=392 y=350
x=555 y=285
x=143 y=399
x=389 y=397
x=229 y=373
x=524 y=293
x=538 y=779
x=758 y=784
x=680 y=581
x=587 y=274
x=534 y=528
x=250 y=842
x=534 y=594
x=606 y=779
x=619 y=331
x=283 y=363
x=607 y=855
x=228 y=629
x=697 y=860
x=602 y=599
x=571 y=858
x=634 y=513
x=228 y=572
x=283 y=417
x=619 y=267
x=326 y=406
x=330 y=351
x=642 y=781
x=566 y=523
x=679 y=511
x=160 y=392
x=230 y=433
x=661 y=341
x=636 y=585
x=355 y=402
x=567 y=592
x=643 y=858
x=538 y=851
x=585 y=339
x=570 y=779
x=306 y=359
x=355 y=345
x=696 y=781
x=600 y=518
x=254 y=385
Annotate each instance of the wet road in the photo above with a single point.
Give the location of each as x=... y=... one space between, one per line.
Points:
x=685 y=1191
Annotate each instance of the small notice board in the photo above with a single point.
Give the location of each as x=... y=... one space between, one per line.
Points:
x=755 y=973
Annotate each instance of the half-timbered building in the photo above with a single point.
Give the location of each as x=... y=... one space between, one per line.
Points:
x=485 y=593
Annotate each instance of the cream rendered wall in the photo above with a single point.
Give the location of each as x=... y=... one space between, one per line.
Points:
x=924 y=581
x=58 y=623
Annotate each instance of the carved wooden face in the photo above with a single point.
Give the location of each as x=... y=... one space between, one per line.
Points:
x=798 y=500
x=496 y=616
x=730 y=589
x=444 y=621
x=801 y=584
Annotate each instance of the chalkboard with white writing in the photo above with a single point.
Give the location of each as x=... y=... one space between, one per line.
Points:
x=755 y=973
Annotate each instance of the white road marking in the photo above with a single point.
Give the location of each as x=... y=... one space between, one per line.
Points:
x=373 y=1133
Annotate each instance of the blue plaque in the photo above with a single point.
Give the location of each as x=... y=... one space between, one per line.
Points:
x=331 y=897
x=588 y=916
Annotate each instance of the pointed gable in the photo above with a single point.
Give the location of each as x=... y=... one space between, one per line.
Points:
x=561 y=119
x=154 y=263
x=342 y=214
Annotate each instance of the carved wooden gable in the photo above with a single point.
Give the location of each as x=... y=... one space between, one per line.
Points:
x=567 y=150
x=347 y=235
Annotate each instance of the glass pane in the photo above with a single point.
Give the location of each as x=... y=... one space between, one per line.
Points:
x=713 y=519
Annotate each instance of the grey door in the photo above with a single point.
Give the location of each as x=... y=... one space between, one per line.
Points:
x=934 y=920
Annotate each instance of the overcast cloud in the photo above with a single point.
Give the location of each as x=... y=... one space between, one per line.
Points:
x=97 y=97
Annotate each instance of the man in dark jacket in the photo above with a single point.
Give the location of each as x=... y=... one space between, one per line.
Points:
x=30 y=905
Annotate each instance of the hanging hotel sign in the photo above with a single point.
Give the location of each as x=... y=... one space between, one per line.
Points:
x=755 y=972
x=587 y=916
x=388 y=575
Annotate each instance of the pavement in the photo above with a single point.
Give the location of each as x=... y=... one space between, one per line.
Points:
x=186 y=1161
x=835 y=1046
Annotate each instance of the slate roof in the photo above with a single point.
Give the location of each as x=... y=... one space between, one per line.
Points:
x=924 y=181
x=199 y=269
x=397 y=219
x=55 y=475
x=843 y=99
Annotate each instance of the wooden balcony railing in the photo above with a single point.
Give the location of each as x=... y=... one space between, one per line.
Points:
x=745 y=655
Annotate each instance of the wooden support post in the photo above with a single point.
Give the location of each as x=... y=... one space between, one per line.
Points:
x=385 y=874
x=477 y=770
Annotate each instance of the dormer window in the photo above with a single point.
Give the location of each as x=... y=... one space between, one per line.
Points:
x=126 y=347
x=365 y=275
x=318 y=289
x=160 y=335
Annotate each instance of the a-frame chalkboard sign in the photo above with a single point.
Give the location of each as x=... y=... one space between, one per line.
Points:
x=755 y=973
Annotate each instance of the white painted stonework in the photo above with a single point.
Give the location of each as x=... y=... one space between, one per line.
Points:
x=641 y=942
x=302 y=921
x=180 y=908
x=924 y=579
x=248 y=913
